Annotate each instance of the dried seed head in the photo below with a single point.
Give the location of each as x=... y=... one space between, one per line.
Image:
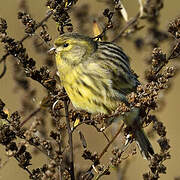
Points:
x=3 y=26
x=174 y=28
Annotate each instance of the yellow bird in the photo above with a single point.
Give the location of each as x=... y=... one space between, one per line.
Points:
x=97 y=76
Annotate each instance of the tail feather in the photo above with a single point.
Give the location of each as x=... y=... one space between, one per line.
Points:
x=143 y=143
x=132 y=119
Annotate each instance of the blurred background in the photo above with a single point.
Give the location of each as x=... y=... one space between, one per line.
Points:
x=168 y=112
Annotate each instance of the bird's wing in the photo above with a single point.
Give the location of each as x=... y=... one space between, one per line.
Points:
x=112 y=66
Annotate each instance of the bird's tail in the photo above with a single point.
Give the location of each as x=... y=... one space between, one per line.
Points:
x=133 y=120
x=143 y=143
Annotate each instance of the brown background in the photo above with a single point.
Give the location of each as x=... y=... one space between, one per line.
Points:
x=169 y=113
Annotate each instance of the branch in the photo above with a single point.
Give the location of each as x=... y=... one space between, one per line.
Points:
x=129 y=23
x=4 y=66
x=110 y=142
x=104 y=150
x=172 y=55
x=70 y=140
x=3 y=58
x=38 y=25
x=30 y=116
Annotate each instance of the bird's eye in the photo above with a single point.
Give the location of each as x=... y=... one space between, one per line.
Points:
x=65 y=45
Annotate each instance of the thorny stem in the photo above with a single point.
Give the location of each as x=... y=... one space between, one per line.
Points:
x=129 y=23
x=71 y=158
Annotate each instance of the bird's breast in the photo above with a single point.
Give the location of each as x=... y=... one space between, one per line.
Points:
x=88 y=94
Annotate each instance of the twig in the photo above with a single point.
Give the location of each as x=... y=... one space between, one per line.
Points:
x=105 y=149
x=50 y=156
x=4 y=68
x=60 y=173
x=129 y=23
x=169 y=57
x=172 y=52
x=71 y=158
x=25 y=168
x=38 y=25
x=99 y=130
x=110 y=142
x=24 y=38
x=30 y=116
x=60 y=164
x=105 y=136
x=84 y=122
x=102 y=173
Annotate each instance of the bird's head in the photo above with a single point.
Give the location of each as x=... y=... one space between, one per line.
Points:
x=71 y=49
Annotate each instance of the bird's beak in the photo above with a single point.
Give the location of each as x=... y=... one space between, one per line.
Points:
x=52 y=50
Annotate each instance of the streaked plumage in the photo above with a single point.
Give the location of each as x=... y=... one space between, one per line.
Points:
x=95 y=75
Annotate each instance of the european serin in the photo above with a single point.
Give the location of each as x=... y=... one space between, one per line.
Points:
x=97 y=76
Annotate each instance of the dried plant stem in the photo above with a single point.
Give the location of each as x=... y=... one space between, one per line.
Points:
x=3 y=58
x=39 y=25
x=129 y=23
x=30 y=116
x=87 y=121
x=25 y=168
x=60 y=164
x=71 y=158
x=110 y=142
x=60 y=173
x=106 y=136
x=106 y=148
x=4 y=67
x=173 y=51
x=170 y=56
